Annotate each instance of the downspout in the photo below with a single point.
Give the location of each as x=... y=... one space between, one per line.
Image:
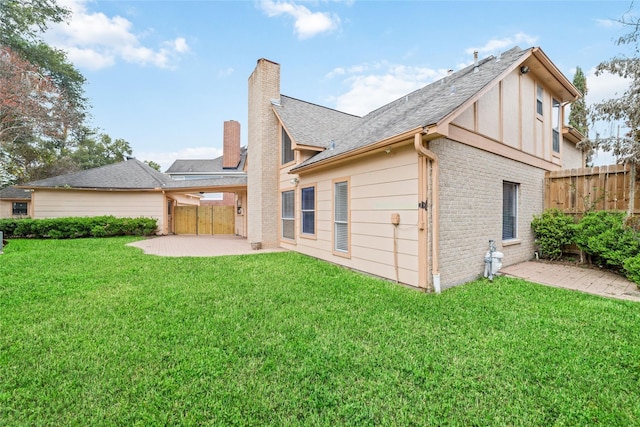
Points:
x=426 y=156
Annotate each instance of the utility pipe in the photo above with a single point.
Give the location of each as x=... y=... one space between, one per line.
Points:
x=425 y=156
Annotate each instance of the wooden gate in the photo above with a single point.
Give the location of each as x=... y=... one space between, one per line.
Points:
x=204 y=220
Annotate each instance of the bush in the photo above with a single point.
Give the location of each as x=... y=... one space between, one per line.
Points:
x=75 y=227
x=554 y=231
x=632 y=268
x=603 y=235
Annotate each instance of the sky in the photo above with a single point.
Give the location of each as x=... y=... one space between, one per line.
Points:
x=165 y=75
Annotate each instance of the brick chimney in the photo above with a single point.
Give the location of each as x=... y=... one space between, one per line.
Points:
x=231 y=145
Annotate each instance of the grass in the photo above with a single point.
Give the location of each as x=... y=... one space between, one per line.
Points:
x=93 y=332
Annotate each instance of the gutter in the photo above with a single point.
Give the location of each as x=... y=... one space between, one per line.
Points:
x=424 y=157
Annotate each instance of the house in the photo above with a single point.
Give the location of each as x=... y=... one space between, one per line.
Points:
x=415 y=190
x=231 y=163
x=125 y=189
x=14 y=202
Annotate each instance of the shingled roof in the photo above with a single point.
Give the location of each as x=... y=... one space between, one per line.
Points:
x=129 y=175
x=313 y=125
x=15 y=193
x=206 y=166
x=420 y=108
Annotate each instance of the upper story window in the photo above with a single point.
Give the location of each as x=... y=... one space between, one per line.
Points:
x=287 y=152
x=555 y=122
x=539 y=98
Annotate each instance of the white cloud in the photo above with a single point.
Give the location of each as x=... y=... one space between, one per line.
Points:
x=374 y=85
x=604 y=86
x=307 y=23
x=166 y=158
x=606 y=23
x=94 y=40
x=495 y=46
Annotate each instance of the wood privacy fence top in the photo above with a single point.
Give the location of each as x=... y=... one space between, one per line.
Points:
x=576 y=191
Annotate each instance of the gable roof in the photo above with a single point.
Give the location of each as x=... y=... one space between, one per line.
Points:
x=128 y=175
x=15 y=193
x=434 y=103
x=310 y=124
x=206 y=166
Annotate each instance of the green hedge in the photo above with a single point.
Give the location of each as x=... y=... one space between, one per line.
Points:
x=77 y=227
x=609 y=238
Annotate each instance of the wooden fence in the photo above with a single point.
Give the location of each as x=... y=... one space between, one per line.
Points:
x=204 y=219
x=576 y=191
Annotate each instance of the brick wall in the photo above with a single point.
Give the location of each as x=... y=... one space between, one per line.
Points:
x=231 y=144
x=263 y=155
x=471 y=209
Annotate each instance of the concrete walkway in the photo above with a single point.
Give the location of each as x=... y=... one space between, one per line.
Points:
x=584 y=279
x=198 y=246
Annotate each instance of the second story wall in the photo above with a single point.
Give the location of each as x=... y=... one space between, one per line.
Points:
x=521 y=112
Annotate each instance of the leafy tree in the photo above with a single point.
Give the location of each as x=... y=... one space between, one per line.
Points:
x=153 y=164
x=99 y=149
x=626 y=108
x=578 y=115
x=22 y=22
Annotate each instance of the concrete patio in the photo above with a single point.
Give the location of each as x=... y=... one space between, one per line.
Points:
x=198 y=246
x=578 y=278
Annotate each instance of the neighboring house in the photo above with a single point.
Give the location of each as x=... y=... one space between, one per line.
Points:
x=414 y=190
x=125 y=189
x=14 y=202
x=231 y=163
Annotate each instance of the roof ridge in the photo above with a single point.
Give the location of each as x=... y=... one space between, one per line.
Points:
x=321 y=106
x=154 y=174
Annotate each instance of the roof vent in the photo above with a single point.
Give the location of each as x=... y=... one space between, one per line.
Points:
x=332 y=145
x=499 y=58
x=475 y=61
x=129 y=158
x=453 y=89
x=275 y=102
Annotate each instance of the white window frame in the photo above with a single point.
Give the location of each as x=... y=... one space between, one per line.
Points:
x=307 y=212
x=555 y=125
x=341 y=226
x=287 y=214
x=539 y=100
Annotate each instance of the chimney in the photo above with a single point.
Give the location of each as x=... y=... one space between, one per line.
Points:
x=263 y=156
x=231 y=145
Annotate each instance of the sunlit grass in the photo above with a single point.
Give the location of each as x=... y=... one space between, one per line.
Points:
x=93 y=332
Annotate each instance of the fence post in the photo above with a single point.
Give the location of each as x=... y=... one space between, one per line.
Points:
x=1 y=242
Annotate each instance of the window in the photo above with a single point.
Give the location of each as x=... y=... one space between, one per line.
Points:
x=19 y=208
x=287 y=152
x=509 y=210
x=341 y=217
x=212 y=196
x=539 y=95
x=308 y=209
x=288 y=221
x=555 y=121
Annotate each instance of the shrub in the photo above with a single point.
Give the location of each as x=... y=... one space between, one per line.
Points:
x=74 y=227
x=632 y=268
x=554 y=231
x=603 y=234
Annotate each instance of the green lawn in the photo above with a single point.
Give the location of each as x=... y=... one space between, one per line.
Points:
x=93 y=332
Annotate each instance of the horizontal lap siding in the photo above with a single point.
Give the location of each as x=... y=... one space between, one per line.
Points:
x=65 y=203
x=379 y=185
